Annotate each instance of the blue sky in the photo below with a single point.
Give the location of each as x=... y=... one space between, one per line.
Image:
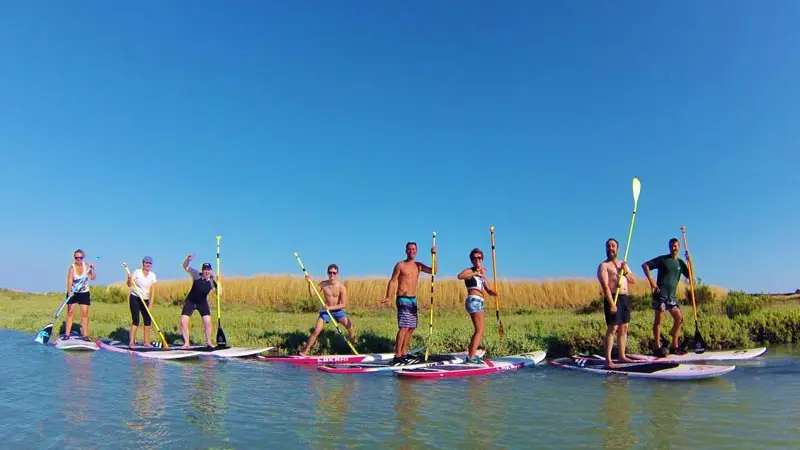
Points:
x=341 y=130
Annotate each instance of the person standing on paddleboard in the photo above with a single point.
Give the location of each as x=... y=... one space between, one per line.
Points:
x=403 y=283
x=618 y=315
x=670 y=268
x=145 y=280
x=475 y=279
x=78 y=276
x=336 y=300
x=202 y=284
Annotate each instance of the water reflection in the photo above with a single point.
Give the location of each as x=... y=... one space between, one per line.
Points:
x=78 y=388
x=148 y=403
x=207 y=388
x=333 y=406
x=407 y=407
x=615 y=413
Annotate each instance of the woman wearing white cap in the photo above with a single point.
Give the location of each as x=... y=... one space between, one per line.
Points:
x=145 y=280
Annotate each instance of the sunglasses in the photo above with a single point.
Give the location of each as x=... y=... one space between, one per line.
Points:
x=78 y=257
x=477 y=257
x=330 y=272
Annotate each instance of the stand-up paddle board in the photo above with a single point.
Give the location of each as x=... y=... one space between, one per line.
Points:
x=149 y=352
x=414 y=362
x=228 y=352
x=725 y=355
x=324 y=359
x=75 y=342
x=494 y=365
x=659 y=370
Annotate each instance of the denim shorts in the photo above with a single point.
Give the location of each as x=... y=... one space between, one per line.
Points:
x=474 y=304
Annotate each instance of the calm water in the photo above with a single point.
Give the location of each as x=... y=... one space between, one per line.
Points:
x=55 y=399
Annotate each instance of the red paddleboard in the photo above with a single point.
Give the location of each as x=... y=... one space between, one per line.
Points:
x=329 y=359
x=418 y=361
x=494 y=365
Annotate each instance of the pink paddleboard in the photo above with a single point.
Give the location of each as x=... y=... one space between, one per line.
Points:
x=494 y=365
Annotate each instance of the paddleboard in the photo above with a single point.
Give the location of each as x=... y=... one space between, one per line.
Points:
x=657 y=370
x=227 y=352
x=171 y=353
x=417 y=361
x=725 y=355
x=75 y=342
x=489 y=366
x=323 y=359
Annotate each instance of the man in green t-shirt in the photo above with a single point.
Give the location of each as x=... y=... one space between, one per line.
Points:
x=670 y=268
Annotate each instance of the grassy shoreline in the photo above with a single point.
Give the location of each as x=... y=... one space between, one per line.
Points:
x=532 y=320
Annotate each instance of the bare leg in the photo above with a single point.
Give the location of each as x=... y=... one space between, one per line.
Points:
x=147 y=336
x=609 y=342
x=70 y=318
x=85 y=320
x=407 y=341
x=657 y=317
x=398 y=343
x=477 y=323
x=311 y=340
x=185 y=330
x=132 y=340
x=351 y=332
x=677 y=324
x=207 y=326
x=622 y=341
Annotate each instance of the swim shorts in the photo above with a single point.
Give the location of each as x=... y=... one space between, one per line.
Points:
x=202 y=308
x=662 y=302
x=81 y=298
x=406 y=312
x=338 y=315
x=623 y=314
x=474 y=303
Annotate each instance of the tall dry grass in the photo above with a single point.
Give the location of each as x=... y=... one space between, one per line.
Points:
x=281 y=291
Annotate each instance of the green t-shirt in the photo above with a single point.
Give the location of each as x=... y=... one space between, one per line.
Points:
x=669 y=273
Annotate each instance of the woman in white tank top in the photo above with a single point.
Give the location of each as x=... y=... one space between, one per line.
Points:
x=78 y=277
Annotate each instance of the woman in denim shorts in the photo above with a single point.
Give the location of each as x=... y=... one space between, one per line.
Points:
x=474 y=279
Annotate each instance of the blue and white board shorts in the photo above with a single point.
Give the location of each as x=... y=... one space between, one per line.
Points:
x=662 y=302
x=406 y=312
x=337 y=315
x=474 y=303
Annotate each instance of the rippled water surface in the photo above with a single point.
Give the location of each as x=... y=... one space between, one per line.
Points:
x=55 y=399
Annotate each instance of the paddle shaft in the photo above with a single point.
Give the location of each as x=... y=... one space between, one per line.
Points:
x=636 y=190
x=433 y=275
x=144 y=303
x=691 y=274
x=319 y=296
x=218 y=283
x=500 y=329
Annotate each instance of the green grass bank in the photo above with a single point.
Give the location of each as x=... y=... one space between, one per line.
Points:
x=738 y=321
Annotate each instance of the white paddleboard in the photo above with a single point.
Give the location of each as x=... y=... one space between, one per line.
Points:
x=724 y=355
x=657 y=370
x=171 y=353
x=75 y=342
x=229 y=352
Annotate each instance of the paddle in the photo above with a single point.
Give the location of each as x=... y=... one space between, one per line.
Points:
x=699 y=342
x=221 y=341
x=500 y=329
x=144 y=303
x=43 y=336
x=335 y=324
x=637 y=187
x=433 y=274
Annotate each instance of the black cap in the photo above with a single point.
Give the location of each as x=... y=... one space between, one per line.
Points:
x=206 y=266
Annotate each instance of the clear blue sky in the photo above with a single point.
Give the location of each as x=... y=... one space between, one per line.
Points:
x=341 y=130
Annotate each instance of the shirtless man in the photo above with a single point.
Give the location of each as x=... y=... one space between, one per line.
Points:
x=617 y=315
x=336 y=299
x=403 y=283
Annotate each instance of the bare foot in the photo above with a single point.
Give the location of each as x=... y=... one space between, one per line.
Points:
x=303 y=353
x=148 y=345
x=132 y=345
x=611 y=365
x=625 y=359
x=185 y=346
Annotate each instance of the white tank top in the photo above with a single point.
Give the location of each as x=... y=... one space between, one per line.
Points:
x=82 y=279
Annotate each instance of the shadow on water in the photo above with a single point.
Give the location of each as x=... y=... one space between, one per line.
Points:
x=330 y=342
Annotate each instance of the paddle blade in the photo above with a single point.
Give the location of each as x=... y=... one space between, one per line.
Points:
x=43 y=337
x=699 y=343
x=637 y=187
x=221 y=341
x=500 y=328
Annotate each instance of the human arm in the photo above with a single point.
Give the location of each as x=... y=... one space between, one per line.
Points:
x=628 y=273
x=91 y=274
x=602 y=277
x=392 y=286
x=646 y=266
x=468 y=273
x=685 y=270
x=69 y=280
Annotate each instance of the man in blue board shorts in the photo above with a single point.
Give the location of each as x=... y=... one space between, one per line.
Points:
x=403 y=284
x=335 y=295
x=670 y=268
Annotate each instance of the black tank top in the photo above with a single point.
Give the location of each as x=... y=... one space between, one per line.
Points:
x=200 y=289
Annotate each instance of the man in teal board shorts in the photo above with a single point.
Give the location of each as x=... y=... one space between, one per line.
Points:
x=670 y=268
